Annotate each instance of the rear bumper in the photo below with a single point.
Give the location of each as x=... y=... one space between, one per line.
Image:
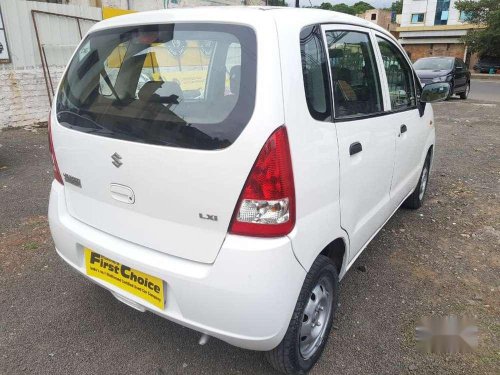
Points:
x=246 y=297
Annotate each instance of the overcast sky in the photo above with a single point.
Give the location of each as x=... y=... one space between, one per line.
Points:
x=375 y=3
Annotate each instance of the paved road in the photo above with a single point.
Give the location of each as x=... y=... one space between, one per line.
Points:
x=440 y=260
x=485 y=90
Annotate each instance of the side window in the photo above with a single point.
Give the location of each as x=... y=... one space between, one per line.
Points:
x=315 y=73
x=399 y=76
x=356 y=88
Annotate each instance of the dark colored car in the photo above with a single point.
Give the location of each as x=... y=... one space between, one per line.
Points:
x=445 y=69
x=485 y=63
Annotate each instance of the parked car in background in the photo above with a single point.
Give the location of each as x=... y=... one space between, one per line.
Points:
x=236 y=211
x=486 y=63
x=445 y=69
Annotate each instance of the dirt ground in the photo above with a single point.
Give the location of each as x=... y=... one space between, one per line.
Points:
x=442 y=259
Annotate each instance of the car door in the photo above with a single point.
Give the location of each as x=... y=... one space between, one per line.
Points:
x=459 y=75
x=366 y=140
x=403 y=117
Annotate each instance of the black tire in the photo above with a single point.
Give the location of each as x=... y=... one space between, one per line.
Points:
x=286 y=357
x=416 y=199
x=465 y=94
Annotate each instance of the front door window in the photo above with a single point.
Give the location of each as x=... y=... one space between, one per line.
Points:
x=356 y=85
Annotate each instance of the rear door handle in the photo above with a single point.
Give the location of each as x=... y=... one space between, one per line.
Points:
x=122 y=193
x=355 y=148
x=403 y=129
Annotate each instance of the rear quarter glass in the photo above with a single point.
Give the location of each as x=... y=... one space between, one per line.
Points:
x=188 y=85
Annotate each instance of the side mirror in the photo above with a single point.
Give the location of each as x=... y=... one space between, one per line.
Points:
x=435 y=92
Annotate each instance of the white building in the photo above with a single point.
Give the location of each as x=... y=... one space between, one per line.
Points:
x=434 y=28
x=431 y=13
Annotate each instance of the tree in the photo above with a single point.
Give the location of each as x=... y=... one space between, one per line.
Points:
x=357 y=8
x=397 y=7
x=343 y=8
x=486 y=13
x=361 y=7
x=326 y=6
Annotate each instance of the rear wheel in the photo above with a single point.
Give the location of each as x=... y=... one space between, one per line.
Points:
x=311 y=321
x=465 y=94
x=416 y=199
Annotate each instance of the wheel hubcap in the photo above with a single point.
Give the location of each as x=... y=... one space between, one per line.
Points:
x=423 y=183
x=316 y=316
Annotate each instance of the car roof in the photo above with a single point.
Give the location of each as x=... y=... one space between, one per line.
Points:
x=299 y=17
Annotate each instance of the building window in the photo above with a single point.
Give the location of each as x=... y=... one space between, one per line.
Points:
x=442 y=12
x=374 y=16
x=417 y=18
x=464 y=16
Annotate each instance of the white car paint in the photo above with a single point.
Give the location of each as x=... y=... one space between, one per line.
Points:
x=220 y=283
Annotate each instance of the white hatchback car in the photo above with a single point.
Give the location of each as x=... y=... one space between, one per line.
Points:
x=224 y=167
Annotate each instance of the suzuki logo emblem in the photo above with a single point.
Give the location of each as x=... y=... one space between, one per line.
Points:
x=116 y=160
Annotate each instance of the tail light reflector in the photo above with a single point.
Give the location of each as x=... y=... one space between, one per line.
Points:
x=266 y=207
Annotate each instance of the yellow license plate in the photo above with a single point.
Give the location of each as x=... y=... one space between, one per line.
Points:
x=138 y=283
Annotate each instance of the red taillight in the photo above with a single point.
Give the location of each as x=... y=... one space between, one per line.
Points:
x=266 y=207
x=55 y=167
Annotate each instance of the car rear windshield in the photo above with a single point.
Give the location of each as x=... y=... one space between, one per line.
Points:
x=434 y=64
x=181 y=85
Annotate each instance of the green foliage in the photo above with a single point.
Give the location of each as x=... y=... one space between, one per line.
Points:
x=486 y=13
x=359 y=7
x=30 y=246
x=397 y=6
x=343 y=8
x=326 y=6
x=277 y=3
